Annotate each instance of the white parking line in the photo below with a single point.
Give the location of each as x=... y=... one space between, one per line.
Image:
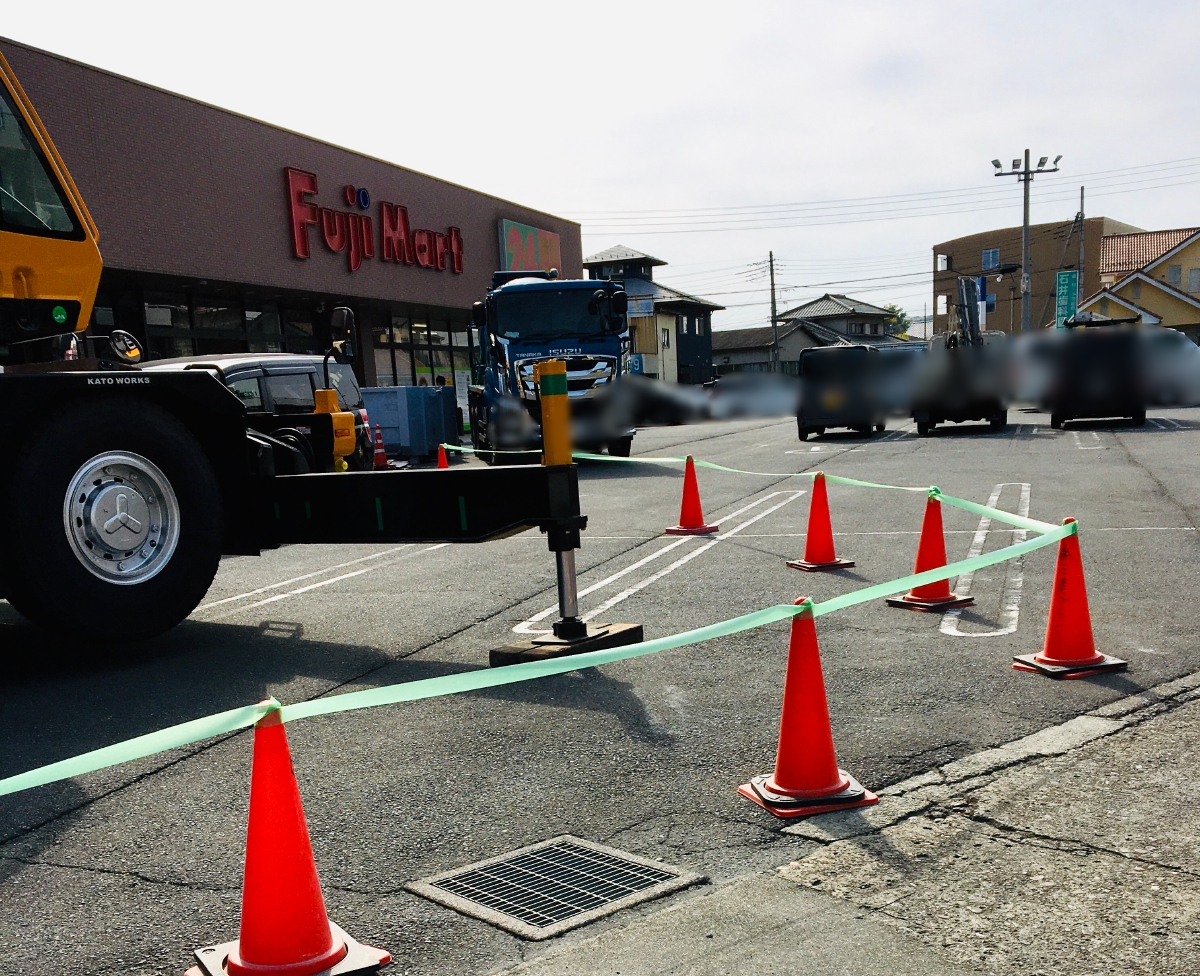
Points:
x=1015 y=573
x=297 y=579
x=1097 y=446
x=312 y=586
x=527 y=626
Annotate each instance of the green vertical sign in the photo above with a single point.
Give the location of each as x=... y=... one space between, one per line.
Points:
x=1066 y=297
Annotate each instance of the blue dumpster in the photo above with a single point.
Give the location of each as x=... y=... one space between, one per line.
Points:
x=414 y=420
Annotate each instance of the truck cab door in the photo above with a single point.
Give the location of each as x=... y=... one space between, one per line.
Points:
x=49 y=258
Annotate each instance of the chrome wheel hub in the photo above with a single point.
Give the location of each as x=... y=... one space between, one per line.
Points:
x=121 y=517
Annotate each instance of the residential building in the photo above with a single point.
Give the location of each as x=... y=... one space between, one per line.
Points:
x=859 y=321
x=996 y=256
x=670 y=331
x=1163 y=290
x=826 y=321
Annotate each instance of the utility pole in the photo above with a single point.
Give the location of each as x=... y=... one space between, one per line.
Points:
x=1026 y=175
x=774 y=319
x=1079 y=292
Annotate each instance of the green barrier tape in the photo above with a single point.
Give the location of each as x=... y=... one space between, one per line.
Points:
x=144 y=745
x=240 y=718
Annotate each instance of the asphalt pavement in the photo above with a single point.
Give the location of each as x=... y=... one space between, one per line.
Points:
x=126 y=870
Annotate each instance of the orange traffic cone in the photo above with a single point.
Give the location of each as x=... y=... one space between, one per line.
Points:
x=1069 y=650
x=931 y=554
x=807 y=779
x=284 y=931
x=818 y=541
x=380 y=461
x=691 y=515
x=442 y=462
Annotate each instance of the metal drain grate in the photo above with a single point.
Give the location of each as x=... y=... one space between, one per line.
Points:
x=545 y=889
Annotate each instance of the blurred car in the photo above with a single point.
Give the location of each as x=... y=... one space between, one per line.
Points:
x=839 y=387
x=283 y=383
x=957 y=382
x=1108 y=370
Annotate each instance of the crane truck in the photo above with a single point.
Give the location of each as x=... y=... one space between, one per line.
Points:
x=121 y=489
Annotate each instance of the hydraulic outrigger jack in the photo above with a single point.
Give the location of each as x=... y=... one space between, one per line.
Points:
x=570 y=634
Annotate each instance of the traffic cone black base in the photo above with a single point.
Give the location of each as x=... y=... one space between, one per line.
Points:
x=909 y=602
x=359 y=958
x=819 y=567
x=782 y=805
x=1030 y=663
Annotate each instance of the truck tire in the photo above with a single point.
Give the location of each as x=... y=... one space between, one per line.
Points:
x=620 y=448
x=1139 y=419
x=923 y=428
x=117 y=517
x=999 y=420
x=1056 y=421
x=804 y=432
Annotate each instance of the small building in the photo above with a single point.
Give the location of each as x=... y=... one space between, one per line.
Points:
x=837 y=322
x=1163 y=290
x=670 y=331
x=856 y=320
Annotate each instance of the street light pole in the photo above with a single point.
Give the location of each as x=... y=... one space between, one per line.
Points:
x=1026 y=175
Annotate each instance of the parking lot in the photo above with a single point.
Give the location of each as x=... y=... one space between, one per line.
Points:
x=126 y=870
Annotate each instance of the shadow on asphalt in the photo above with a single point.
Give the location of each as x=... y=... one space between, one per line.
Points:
x=589 y=690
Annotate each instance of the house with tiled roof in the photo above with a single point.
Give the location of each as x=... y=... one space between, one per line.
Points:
x=852 y=318
x=1164 y=289
x=1122 y=254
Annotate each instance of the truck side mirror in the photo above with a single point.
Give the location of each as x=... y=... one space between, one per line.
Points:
x=479 y=315
x=620 y=302
x=127 y=348
x=341 y=327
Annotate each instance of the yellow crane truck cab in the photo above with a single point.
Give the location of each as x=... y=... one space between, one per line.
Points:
x=49 y=252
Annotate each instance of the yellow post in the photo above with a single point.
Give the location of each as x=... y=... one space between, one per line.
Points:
x=551 y=379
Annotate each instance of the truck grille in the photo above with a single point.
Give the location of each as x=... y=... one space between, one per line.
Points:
x=586 y=375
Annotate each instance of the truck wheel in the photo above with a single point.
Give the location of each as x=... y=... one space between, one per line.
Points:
x=116 y=514
x=1056 y=421
x=999 y=420
x=923 y=428
x=1139 y=418
x=804 y=432
x=620 y=448
x=880 y=428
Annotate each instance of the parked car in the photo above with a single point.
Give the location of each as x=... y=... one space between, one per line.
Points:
x=839 y=388
x=283 y=383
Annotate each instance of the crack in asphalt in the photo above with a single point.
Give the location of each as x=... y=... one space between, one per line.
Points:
x=137 y=875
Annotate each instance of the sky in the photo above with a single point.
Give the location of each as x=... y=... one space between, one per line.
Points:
x=846 y=138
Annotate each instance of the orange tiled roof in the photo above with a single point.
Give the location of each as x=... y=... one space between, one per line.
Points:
x=1122 y=253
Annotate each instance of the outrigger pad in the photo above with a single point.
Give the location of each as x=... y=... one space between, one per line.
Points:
x=782 y=805
x=599 y=638
x=1029 y=662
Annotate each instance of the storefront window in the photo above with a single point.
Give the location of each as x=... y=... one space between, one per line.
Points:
x=168 y=325
x=263 y=327
x=439 y=341
x=298 y=332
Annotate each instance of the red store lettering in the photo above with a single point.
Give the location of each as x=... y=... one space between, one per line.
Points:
x=354 y=233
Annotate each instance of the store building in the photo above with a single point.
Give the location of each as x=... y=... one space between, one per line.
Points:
x=223 y=234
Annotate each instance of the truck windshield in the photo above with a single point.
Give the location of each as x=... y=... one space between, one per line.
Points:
x=548 y=314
